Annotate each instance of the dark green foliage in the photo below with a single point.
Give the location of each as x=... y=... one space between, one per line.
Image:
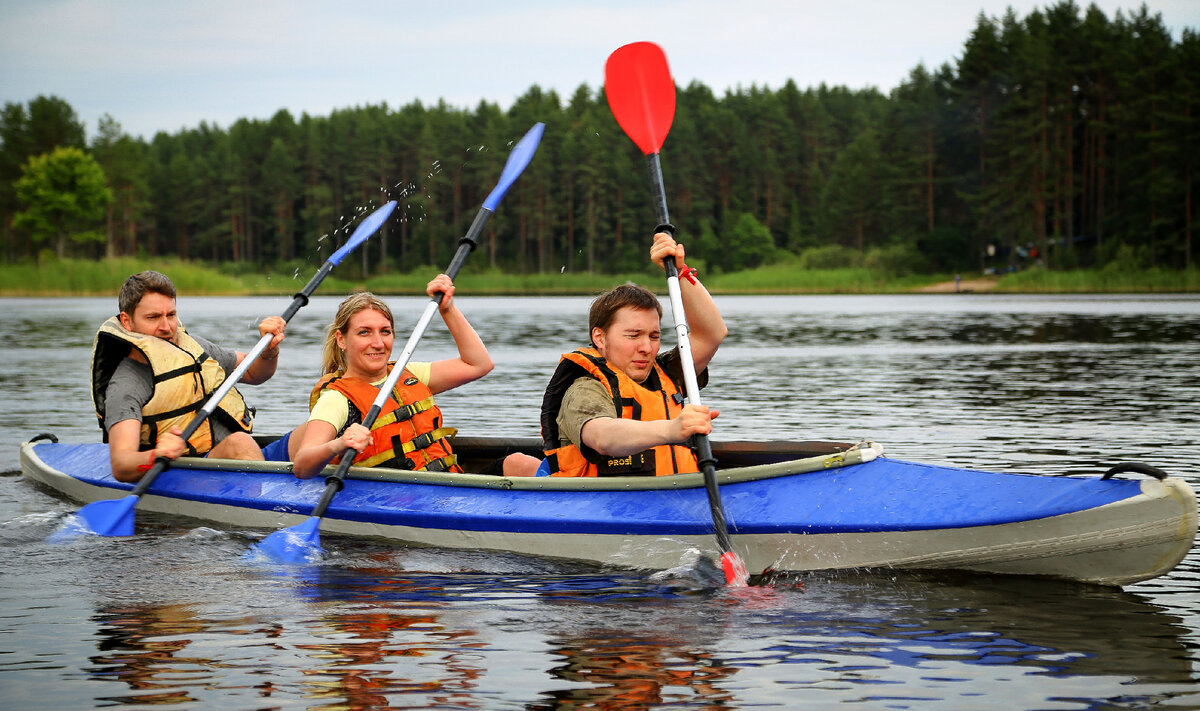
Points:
x=1065 y=138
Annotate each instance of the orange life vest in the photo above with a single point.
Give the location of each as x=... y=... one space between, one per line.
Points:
x=184 y=378
x=408 y=432
x=658 y=398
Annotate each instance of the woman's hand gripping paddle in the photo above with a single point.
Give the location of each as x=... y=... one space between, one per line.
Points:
x=641 y=95
x=115 y=517
x=302 y=543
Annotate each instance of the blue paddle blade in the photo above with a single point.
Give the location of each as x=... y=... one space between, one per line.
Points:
x=521 y=154
x=297 y=544
x=365 y=229
x=102 y=518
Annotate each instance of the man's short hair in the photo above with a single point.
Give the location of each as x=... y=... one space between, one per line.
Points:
x=136 y=286
x=605 y=307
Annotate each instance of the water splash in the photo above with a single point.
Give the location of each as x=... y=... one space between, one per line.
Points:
x=288 y=547
x=72 y=528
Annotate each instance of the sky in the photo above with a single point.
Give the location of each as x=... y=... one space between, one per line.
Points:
x=168 y=65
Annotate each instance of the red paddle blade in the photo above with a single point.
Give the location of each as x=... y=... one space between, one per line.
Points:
x=641 y=93
x=735 y=570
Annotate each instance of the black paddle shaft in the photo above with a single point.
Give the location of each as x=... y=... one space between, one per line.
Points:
x=299 y=301
x=699 y=442
x=336 y=481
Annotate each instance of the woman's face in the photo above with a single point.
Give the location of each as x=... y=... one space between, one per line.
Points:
x=368 y=345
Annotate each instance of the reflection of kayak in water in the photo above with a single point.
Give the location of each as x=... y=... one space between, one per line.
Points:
x=791 y=507
x=943 y=620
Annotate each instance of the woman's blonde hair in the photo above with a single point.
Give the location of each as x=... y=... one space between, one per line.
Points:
x=333 y=359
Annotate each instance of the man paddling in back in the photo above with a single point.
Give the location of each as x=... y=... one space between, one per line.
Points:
x=150 y=377
x=616 y=409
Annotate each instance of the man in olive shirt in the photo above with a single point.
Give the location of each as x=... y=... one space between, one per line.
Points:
x=584 y=433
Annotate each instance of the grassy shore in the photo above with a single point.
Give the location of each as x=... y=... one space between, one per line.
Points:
x=73 y=277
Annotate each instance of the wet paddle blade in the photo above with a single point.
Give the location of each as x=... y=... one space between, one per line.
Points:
x=296 y=545
x=102 y=518
x=735 y=570
x=641 y=93
x=365 y=229
x=521 y=154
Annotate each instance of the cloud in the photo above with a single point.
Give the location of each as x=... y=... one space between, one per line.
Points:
x=157 y=65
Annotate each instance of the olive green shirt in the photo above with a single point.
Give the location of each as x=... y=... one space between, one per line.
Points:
x=587 y=399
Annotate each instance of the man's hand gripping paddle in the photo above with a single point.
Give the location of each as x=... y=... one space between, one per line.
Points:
x=115 y=517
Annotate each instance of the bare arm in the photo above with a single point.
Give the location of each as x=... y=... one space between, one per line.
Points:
x=618 y=437
x=321 y=444
x=706 y=328
x=473 y=361
x=263 y=368
x=124 y=456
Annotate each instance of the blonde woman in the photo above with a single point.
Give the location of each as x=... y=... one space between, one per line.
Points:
x=409 y=432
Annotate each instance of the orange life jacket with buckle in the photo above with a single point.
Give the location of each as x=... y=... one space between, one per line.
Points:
x=658 y=398
x=408 y=432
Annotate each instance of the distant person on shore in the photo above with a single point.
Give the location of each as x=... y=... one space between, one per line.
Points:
x=616 y=408
x=409 y=432
x=150 y=377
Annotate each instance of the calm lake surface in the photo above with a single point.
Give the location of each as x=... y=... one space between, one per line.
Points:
x=1037 y=384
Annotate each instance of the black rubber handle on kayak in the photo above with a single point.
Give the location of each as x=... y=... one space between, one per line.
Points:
x=1138 y=467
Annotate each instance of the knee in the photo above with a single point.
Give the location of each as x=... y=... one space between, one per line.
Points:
x=238 y=445
x=519 y=464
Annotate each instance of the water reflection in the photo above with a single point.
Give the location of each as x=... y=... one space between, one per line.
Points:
x=941 y=620
x=360 y=670
x=1042 y=385
x=624 y=671
x=141 y=647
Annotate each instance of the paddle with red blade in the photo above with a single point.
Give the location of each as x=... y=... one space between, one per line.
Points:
x=641 y=94
x=115 y=517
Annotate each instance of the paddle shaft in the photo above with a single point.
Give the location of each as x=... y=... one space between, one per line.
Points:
x=335 y=481
x=518 y=159
x=704 y=455
x=299 y=301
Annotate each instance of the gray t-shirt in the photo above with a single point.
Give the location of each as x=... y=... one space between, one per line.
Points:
x=132 y=386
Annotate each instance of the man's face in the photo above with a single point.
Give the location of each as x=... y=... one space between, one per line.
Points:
x=630 y=342
x=153 y=316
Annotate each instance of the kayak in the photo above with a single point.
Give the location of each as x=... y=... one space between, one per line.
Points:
x=791 y=507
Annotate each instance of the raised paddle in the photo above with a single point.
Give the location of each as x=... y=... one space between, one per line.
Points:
x=115 y=517
x=641 y=95
x=302 y=543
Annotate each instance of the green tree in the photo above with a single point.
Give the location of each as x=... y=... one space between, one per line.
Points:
x=851 y=195
x=748 y=243
x=124 y=162
x=25 y=131
x=65 y=195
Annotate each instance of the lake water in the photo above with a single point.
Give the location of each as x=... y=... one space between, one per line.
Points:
x=1045 y=385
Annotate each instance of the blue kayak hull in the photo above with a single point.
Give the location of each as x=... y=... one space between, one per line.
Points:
x=844 y=510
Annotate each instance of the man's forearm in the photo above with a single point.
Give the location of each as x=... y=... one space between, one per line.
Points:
x=619 y=437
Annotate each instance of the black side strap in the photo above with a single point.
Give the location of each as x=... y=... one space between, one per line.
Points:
x=1135 y=467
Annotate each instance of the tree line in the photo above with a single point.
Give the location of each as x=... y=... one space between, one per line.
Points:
x=1064 y=138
